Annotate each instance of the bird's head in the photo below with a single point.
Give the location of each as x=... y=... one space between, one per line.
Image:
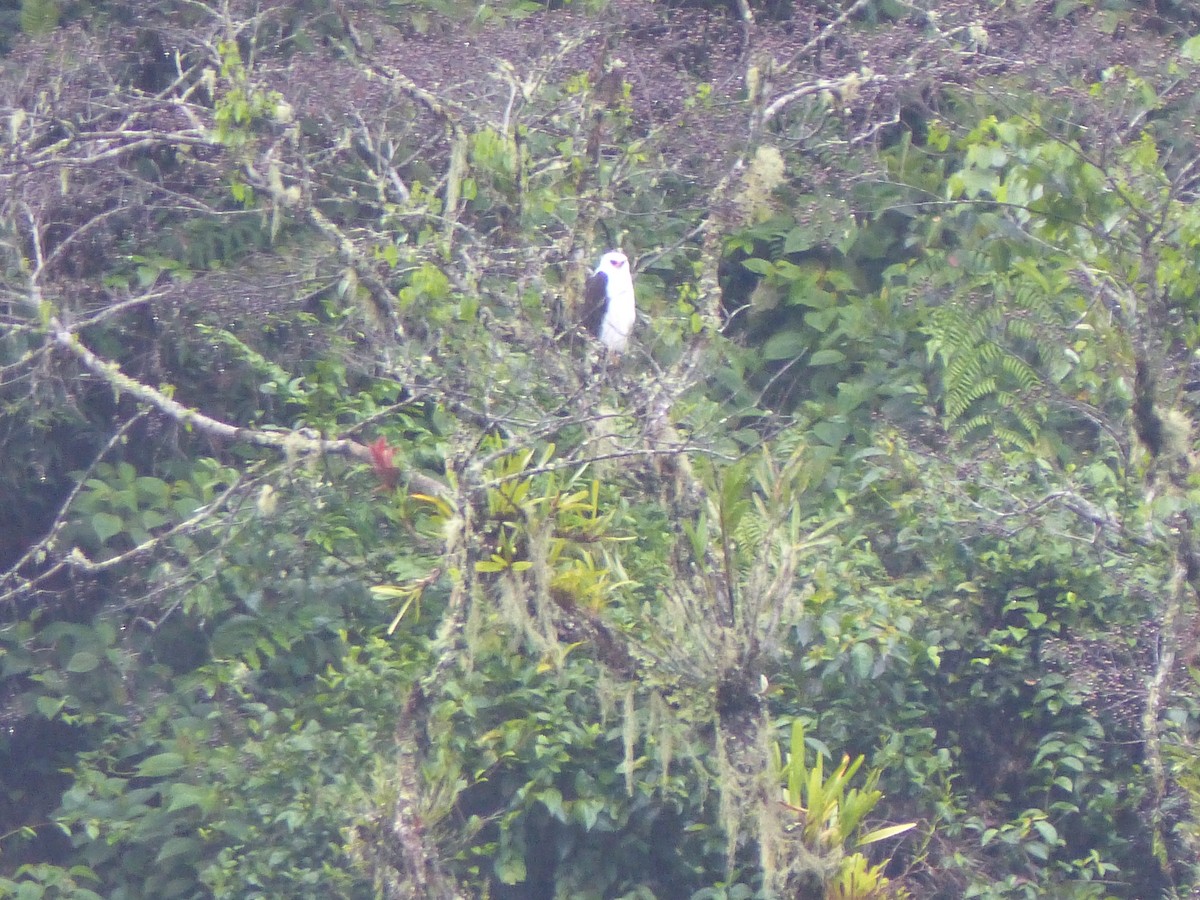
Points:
x=614 y=261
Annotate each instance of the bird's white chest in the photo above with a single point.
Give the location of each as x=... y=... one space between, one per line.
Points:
x=619 y=314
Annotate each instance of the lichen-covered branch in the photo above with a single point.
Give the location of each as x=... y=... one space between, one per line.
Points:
x=294 y=442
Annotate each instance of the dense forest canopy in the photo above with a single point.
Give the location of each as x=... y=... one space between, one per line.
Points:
x=336 y=559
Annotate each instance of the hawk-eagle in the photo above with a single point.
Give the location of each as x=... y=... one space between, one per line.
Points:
x=608 y=308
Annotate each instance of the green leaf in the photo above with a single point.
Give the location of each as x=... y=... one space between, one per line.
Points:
x=83 y=661
x=759 y=266
x=152 y=519
x=185 y=795
x=154 y=488
x=553 y=800
x=809 y=295
x=799 y=240
x=785 y=345
x=821 y=319
x=862 y=658
x=235 y=635
x=1048 y=832
x=831 y=433
x=882 y=834
x=510 y=868
x=827 y=358
x=587 y=812
x=106 y=525
x=49 y=707
x=178 y=846
x=160 y=764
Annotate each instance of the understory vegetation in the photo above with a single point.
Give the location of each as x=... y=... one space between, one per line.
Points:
x=337 y=561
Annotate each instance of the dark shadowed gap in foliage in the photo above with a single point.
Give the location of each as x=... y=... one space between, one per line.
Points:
x=551 y=845
x=33 y=755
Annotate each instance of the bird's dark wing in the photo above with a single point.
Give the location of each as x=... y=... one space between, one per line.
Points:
x=595 y=299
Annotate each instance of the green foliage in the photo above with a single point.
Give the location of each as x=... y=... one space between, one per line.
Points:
x=985 y=383
x=119 y=509
x=1040 y=228
x=39 y=881
x=39 y=16
x=540 y=772
x=822 y=335
x=830 y=816
x=153 y=813
x=906 y=502
x=241 y=103
x=994 y=627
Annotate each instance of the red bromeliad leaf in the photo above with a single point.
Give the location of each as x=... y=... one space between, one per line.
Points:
x=382 y=459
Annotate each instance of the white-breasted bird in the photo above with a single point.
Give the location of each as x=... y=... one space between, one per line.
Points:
x=608 y=306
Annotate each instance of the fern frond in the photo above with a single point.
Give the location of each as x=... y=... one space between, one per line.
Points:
x=1020 y=371
x=1009 y=436
x=960 y=400
x=965 y=429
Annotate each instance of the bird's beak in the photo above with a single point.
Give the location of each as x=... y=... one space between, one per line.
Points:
x=617 y=263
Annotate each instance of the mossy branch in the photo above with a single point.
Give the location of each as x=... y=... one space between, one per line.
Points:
x=290 y=442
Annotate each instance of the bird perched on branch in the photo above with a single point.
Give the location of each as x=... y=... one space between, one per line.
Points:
x=608 y=307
